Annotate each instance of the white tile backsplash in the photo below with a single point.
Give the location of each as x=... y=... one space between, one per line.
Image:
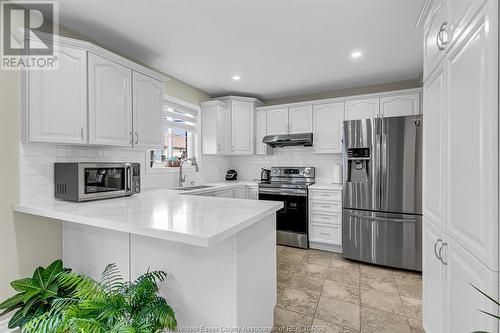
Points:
x=248 y=167
x=37 y=165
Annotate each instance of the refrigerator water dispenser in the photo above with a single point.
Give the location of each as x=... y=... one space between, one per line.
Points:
x=358 y=165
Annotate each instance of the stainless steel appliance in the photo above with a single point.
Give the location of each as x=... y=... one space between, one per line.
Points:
x=286 y=140
x=265 y=175
x=382 y=203
x=90 y=181
x=289 y=185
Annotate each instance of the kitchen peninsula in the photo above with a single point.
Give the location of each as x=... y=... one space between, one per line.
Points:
x=219 y=252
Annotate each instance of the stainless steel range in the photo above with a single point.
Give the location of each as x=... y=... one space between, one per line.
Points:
x=289 y=185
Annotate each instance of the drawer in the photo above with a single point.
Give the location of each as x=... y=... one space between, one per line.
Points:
x=332 y=207
x=326 y=218
x=326 y=195
x=326 y=234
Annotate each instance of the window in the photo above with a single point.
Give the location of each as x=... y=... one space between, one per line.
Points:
x=179 y=133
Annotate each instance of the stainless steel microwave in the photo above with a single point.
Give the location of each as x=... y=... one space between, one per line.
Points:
x=90 y=181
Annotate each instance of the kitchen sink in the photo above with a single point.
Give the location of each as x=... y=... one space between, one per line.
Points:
x=191 y=188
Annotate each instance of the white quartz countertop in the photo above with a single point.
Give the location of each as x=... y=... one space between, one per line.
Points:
x=326 y=186
x=161 y=213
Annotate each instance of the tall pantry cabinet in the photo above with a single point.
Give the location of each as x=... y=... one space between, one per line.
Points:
x=460 y=168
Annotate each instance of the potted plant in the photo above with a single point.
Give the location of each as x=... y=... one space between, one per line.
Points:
x=58 y=300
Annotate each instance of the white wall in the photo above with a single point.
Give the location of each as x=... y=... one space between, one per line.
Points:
x=248 y=167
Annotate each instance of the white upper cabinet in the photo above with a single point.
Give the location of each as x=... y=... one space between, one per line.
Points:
x=148 y=101
x=433 y=148
x=242 y=127
x=327 y=128
x=110 y=102
x=223 y=120
x=300 y=119
x=261 y=132
x=57 y=100
x=362 y=109
x=400 y=105
x=435 y=37
x=472 y=136
x=277 y=121
x=214 y=128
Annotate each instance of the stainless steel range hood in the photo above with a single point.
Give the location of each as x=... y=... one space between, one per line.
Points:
x=285 y=140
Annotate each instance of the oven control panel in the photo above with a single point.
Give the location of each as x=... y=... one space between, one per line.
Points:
x=293 y=172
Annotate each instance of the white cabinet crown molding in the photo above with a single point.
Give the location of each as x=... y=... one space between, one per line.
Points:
x=343 y=99
x=98 y=50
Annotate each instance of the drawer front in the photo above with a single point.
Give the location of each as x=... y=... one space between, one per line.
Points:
x=332 y=207
x=324 y=218
x=326 y=195
x=326 y=234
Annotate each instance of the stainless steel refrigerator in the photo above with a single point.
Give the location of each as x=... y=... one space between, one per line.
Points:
x=382 y=201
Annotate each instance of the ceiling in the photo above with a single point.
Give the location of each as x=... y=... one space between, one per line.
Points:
x=278 y=48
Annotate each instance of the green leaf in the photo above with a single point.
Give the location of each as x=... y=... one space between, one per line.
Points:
x=12 y=301
x=50 y=292
x=16 y=319
x=485 y=295
x=38 y=277
x=51 y=271
x=30 y=294
x=23 y=285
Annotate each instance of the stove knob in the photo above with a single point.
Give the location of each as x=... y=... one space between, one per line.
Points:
x=307 y=171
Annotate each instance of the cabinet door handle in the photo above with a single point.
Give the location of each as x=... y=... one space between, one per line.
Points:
x=82 y=134
x=131 y=137
x=136 y=137
x=442 y=38
x=325 y=218
x=440 y=254
x=325 y=233
x=323 y=206
x=439 y=240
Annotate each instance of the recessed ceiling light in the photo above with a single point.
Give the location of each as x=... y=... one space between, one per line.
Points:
x=236 y=77
x=356 y=54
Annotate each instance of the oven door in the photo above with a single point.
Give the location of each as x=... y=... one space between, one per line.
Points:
x=104 y=180
x=292 y=219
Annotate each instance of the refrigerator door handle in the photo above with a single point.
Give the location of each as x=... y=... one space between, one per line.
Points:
x=384 y=180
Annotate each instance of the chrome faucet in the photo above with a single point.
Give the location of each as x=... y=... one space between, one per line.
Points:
x=182 y=178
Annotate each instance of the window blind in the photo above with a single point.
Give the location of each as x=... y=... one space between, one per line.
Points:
x=179 y=117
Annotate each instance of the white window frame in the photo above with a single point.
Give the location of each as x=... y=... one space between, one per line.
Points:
x=194 y=142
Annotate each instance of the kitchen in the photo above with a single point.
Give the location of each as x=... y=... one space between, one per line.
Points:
x=341 y=186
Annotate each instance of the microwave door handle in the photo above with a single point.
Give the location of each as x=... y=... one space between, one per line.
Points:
x=129 y=178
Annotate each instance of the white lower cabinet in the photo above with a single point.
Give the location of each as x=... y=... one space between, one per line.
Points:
x=225 y=193
x=450 y=301
x=433 y=277
x=240 y=192
x=325 y=219
x=252 y=193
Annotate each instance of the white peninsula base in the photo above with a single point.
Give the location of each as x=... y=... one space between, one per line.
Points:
x=230 y=285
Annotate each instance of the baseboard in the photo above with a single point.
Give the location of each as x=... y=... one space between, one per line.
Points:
x=326 y=247
x=4 y=326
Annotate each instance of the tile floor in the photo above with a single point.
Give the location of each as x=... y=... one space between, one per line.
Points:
x=322 y=292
